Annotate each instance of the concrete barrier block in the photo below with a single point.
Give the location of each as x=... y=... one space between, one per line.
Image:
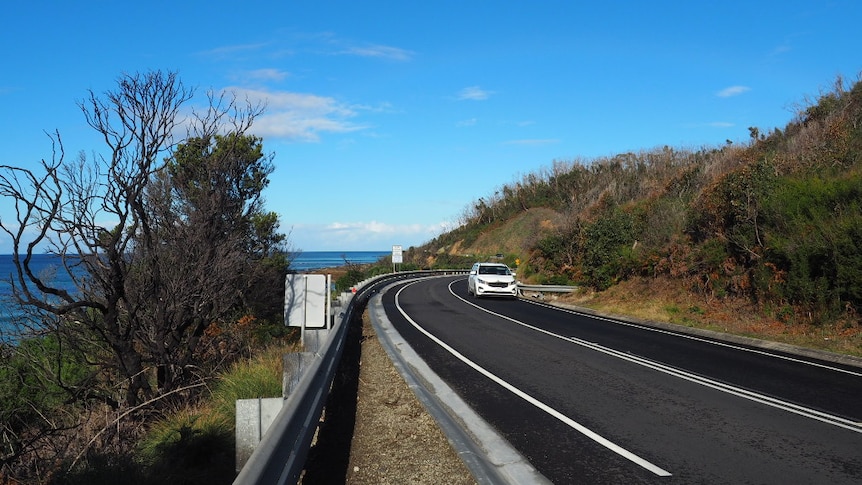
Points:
x=314 y=339
x=294 y=365
x=253 y=419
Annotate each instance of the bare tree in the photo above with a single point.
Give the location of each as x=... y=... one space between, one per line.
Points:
x=215 y=241
x=97 y=214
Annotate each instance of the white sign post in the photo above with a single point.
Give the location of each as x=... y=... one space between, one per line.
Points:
x=397 y=257
x=306 y=302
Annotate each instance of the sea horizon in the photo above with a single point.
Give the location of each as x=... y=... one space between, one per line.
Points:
x=314 y=260
x=301 y=261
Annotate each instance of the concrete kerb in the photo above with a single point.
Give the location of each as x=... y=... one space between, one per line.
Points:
x=490 y=458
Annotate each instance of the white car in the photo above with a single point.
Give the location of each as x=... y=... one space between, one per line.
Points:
x=492 y=279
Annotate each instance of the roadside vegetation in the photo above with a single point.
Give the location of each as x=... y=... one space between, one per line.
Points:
x=771 y=228
x=177 y=275
x=178 y=269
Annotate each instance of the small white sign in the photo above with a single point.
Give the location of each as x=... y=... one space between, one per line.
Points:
x=305 y=300
x=397 y=257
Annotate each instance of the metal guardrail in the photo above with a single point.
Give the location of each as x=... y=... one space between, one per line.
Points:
x=280 y=456
x=547 y=288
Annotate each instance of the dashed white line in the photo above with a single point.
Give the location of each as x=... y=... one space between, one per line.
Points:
x=535 y=402
x=730 y=389
x=704 y=381
x=699 y=339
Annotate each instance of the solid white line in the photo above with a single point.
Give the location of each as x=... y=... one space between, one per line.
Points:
x=724 y=387
x=698 y=339
x=535 y=402
x=704 y=381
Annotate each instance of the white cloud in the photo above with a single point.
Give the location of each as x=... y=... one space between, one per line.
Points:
x=376 y=227
x=266 y=75
x=298 y=116
x=473 y=93
x=733 y=91
x=470 y=122
x=233 y=51
x=379 y=51
x=382 y=107
x=362 y=236
x=325 y=43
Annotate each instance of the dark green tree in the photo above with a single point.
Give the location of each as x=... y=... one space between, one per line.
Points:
x=161 y=240
x=216 y=188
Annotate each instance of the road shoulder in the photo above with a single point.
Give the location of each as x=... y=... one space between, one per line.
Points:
x=395 y=439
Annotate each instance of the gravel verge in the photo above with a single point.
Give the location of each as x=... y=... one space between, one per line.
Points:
x=395 y=440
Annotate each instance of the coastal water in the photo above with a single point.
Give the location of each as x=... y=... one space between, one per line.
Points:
x=49 y=266
x=312 y=260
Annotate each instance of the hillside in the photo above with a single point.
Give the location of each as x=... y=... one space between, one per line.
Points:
x=771 y=228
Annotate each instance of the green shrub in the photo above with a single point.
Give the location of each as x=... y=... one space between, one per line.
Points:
x=557 y=279
x=554 y=248
x=36 y=376
x=196 y=445
x=260 y=376
x=354 y=275
x=450 y=261
x=815 y=242
x=605 y=240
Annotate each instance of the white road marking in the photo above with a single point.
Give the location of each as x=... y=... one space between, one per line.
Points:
x=704 y=381
x=698 y=339
x=535 y=402
x=736 y=391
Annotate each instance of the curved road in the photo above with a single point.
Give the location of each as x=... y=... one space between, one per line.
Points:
x=591 y=400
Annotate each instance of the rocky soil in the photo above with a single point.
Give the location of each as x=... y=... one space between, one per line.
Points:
x=395 y=440
x=374 y=429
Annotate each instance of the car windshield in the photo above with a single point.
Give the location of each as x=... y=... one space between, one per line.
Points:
x=500 y=270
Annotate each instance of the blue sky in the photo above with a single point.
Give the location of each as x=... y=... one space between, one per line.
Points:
x=389 y=118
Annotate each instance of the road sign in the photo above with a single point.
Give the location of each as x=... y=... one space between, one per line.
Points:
x=305 y=301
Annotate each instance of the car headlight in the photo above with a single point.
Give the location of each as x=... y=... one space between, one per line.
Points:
x=480 y=280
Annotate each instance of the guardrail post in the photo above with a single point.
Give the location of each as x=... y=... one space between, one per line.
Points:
x=294 y=367
x=314 y=339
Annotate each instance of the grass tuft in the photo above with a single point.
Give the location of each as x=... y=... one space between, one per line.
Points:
x=197 y=444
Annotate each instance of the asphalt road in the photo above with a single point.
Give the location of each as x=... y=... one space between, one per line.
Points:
x=589 y=400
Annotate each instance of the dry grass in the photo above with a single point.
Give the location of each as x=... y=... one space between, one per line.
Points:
x=664 y=300
x=521 y=231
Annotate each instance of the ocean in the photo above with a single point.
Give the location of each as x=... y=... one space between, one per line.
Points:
x=312 y=260
x=301 y=261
